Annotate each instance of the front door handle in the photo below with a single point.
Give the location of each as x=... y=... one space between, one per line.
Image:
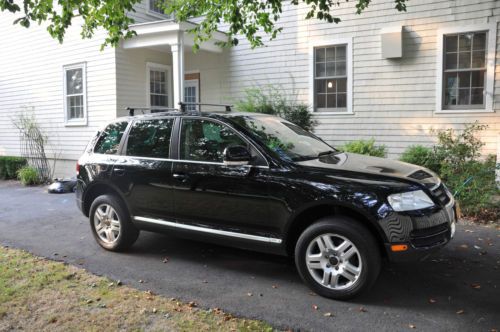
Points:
x=180 y=176
x=119 y=170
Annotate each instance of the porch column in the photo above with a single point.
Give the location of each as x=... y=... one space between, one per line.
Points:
x=178 y=70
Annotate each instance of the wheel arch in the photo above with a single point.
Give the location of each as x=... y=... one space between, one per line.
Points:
x=97 y=190
x=307 y=216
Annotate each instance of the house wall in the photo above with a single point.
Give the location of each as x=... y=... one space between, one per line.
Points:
x=393 y=99
x=31 y=77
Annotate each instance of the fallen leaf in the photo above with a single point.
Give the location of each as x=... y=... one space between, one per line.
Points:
x=249 y=294
x=119 y=283
x=149 y=292
x=328 y=314
x=412 y=326
x=155 y=310
x=431 y=300
x=141 y=281
x=192 y=304
x=460 y=312
x=165 y=260
x=362 y=309
x=477 y=247
x=476 y=286
x=315 y=307
x=274 y=286
x=464 y=246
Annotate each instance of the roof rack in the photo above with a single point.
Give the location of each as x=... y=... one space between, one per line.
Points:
x=183 y=105
x=131 y=110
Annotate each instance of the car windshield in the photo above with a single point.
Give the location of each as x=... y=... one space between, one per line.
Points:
x=288 y=140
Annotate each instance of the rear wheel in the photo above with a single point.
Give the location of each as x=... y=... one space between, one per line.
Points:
x=111 y=224
x=337 y=257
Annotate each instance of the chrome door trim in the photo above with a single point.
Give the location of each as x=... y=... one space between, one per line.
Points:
x=210 y=230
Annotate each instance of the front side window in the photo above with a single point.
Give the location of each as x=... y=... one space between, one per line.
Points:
x=150 y=138
x=75 y=93
x=330 y=78
x=109 y=141
x=464 y=70
x=204 y=140
x=158 y=87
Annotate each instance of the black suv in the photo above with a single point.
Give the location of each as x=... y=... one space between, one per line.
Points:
x=259 y=182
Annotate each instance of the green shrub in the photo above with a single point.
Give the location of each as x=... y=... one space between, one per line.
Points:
x=366 y=147
x=422 y=156
x=274 y=102
x=28 y=176
x=10 y=165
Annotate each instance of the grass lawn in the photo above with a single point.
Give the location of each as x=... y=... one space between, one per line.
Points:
x=38 y=294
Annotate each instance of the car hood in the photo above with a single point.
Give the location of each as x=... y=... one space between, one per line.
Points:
x=373 y=165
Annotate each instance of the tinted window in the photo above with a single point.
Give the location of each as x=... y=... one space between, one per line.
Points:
x=150 y=138
x=110 y=139
x=204 y=140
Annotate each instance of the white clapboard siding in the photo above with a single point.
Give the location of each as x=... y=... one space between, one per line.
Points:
x=393 y=100
x=31 y=78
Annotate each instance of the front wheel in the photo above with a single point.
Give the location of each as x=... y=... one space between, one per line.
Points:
x=111 y=225
x=337 y=257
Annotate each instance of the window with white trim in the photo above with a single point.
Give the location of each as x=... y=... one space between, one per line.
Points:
x=330 y=78
x=158 y=86
x=466 y=68
x=75 y=98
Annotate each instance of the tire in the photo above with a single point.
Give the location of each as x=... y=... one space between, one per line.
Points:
x=349 y=263
x=111 y=226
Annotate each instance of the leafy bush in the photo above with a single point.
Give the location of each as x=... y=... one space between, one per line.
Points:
x=366 y=147
x=9 y=166
x=274 y=102
x=456 y=158
x=28 y=176
x=421 y=155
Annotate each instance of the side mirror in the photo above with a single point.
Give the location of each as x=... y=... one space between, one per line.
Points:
x=236 y=155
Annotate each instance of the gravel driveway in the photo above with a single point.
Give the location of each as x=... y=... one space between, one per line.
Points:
x=457 y=289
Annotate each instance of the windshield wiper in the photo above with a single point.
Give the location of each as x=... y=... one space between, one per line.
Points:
x=326 y=153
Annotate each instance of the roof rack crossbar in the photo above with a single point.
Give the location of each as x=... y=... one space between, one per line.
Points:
x=131 y=110
x=184 y=104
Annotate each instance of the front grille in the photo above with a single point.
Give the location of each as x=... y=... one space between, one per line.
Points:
x=441 y=194
x=430 y=237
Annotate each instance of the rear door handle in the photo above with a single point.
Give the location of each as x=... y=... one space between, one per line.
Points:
x=119 y=170
x=180 y=176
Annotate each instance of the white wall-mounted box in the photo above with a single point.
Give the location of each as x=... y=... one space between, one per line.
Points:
x=392 y=42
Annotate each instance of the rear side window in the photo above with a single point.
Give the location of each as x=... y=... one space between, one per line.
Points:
x=110 y=139
x=150 y=138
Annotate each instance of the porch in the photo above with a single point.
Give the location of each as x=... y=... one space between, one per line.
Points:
x=157 y=68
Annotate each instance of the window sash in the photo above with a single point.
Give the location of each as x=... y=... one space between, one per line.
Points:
x=75 y=103
x=159 y=85
x=331 y=97
x=445 y=99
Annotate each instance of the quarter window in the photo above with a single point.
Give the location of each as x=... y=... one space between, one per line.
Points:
x=203 y=140
x=330 y=78
x=150 y=138
x=464 y=70
x=109 y=141
x=75 y=93
x=156 y=6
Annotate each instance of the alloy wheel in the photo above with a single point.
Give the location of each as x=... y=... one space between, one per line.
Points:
x=106 y=223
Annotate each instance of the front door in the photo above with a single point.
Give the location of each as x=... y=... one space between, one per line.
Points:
x=212 y=194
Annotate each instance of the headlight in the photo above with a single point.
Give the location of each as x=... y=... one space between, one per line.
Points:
x=412 y=200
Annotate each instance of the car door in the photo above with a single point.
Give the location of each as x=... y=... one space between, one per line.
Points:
x=145 y=168
x=209 y=193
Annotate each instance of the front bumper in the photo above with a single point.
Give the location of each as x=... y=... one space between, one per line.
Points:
x=422 y=234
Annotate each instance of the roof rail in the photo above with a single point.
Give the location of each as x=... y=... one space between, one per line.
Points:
x=131 y=110
x=183 y=105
